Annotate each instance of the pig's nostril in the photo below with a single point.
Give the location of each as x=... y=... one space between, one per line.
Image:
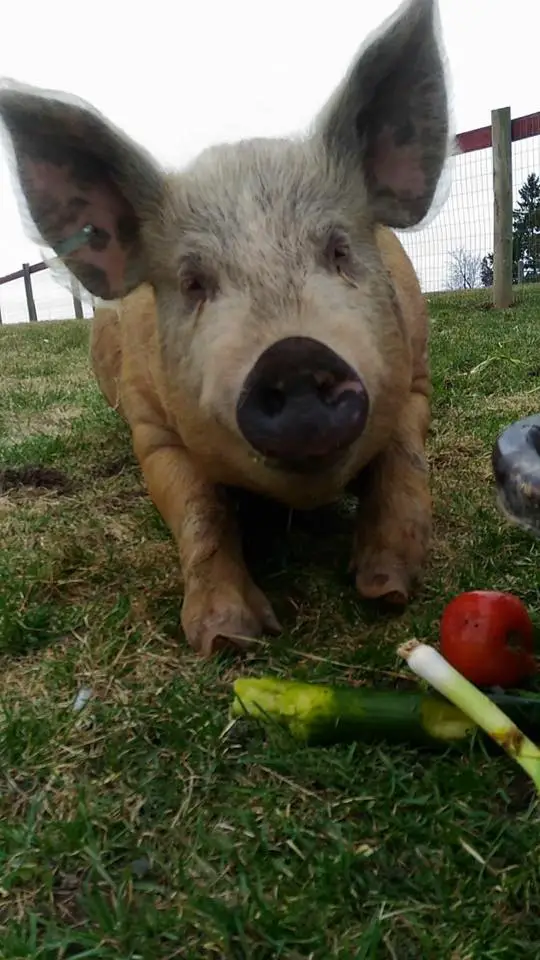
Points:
x=324 y=387
x=271 y=401
x=337 y=393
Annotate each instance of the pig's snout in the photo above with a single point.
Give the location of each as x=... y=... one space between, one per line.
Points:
x=301 y=401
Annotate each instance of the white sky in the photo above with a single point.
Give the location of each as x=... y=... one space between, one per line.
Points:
x=180 y=76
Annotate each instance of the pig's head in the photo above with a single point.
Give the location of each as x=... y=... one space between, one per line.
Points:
x=275 y=312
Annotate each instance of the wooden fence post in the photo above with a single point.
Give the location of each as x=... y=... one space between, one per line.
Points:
x=30 y=302
x=501 y=133
x=77 y=305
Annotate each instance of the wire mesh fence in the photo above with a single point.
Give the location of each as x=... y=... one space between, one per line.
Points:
x=526 y=196
x=453 y=251
x=448 y=252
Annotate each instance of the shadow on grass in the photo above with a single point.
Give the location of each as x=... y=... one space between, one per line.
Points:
x=33 y=621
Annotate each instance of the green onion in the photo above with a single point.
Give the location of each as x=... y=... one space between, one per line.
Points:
x=428 y=664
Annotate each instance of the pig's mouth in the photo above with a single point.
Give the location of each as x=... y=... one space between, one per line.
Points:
x=310 y=465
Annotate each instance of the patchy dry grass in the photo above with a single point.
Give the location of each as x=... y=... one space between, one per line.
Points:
x=132 y=829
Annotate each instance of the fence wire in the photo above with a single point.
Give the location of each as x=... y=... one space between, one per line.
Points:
x=526 y=197
x=449 y=251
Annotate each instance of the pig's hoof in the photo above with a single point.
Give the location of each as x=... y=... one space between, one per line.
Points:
x=390 y=583
x=226 y=618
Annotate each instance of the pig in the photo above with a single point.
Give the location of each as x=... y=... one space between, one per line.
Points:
x=259 y=324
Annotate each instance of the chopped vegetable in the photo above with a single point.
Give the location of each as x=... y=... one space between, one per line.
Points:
x=428 y=664
x=488 y=637
x=322 y=714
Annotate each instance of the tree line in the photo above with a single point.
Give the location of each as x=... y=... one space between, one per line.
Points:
x=467 y=270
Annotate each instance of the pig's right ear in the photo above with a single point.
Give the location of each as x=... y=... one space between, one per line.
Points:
x=389 y=120
x=76 y=170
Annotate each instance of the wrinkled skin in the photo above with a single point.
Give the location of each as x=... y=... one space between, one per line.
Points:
x=208 y=269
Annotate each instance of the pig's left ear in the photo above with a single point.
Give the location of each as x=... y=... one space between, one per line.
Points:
x=390 y=120
x=81 y=177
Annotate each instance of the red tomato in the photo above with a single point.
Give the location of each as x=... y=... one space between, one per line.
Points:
x=488 y=637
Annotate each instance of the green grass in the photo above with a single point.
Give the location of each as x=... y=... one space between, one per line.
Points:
x=134 y=829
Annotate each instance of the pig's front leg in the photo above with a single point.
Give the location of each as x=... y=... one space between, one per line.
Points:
x=220 y=598
x=393 y=526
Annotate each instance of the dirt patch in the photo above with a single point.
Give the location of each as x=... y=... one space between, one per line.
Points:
x=34 y=475
x=115 y=466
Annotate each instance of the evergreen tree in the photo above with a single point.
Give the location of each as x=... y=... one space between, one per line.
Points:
x=486 y=270
x=525 y=235
x=526 y=229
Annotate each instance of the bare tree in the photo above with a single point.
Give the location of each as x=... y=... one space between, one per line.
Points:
x=464 y=271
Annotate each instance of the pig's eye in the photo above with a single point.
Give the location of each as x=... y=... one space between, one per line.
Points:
x=196 y=287
x=338 y=251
